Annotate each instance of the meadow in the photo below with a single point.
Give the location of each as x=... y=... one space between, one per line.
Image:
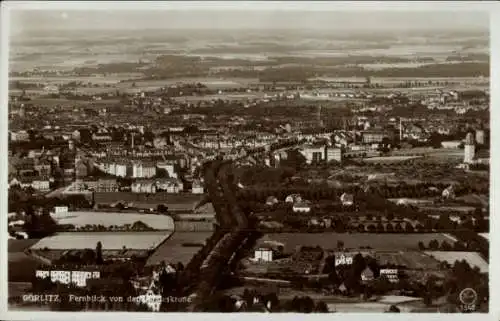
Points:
x=79 y=219
x=387 y=242
x=109 y=240
x=173 y=251
x=473 y=258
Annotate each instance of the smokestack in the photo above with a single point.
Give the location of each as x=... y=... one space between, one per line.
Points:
x=400 y=130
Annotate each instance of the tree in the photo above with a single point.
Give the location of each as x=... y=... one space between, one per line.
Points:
x=340 y=245
x=434 y=244
x=98 y=251
x=409 y=228
x=161 y=208
x=394 y=309
x=421 y=246
x=445 y=246
x=321 y=307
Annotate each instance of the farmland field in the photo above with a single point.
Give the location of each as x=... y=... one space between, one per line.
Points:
x=172 y=250
x=389 y=158
x=473 y=258
x=109 y=240
x=388 y=242
x=160 y=222
x=411 y=259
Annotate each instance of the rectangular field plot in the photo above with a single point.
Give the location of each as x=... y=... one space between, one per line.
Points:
x=173 y=251
x=383 y=242
x=473 y=258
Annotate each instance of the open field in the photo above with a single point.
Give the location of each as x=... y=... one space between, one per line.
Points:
x=172 y=250
x=79 y=219
x=53 y=80
x=411 y=259
x=473 y=258
x=109 y=240
x=389 y=159
x=387 y=242
x=175 y=202
x=52 y=102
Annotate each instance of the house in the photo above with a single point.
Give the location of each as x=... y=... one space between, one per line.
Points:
x=143 y=170
x=451 y=144
x=78 y=277
x=271 y=200
x=41 y=184
x=302 y=207
x=43 y=168
x=343 y=259
x=293 y=198
x=144 y=186
x=390 y=274
x=367 y=275
x=347 y=199
x=170 y=185
x=81 y=169
x=107 y=185
x=197 y=187
x=373 y=136
x=263 y=253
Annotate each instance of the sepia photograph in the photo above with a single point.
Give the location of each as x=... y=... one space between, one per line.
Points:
x=210 y=157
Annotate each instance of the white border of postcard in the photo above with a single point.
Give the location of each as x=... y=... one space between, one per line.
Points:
x=491 y=6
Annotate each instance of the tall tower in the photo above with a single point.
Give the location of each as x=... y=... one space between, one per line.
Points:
x=318 y=117
x=469 y=149
x=400 y=129
x=22 y=111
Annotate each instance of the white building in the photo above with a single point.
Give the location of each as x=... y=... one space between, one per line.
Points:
x=451 y=144
x=347 y=199
x=140 y=170
x=78 y=277
x=333 y=154
x=293 y=198
x=19 y=136
x=390 y=274
x=263 y=254
x=302 y=207
x=41 y=185
x=147 y=186
x=469 y=149
x=343 y=259
x=197 y=187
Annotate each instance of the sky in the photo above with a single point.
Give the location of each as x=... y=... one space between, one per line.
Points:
x=272 y=18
